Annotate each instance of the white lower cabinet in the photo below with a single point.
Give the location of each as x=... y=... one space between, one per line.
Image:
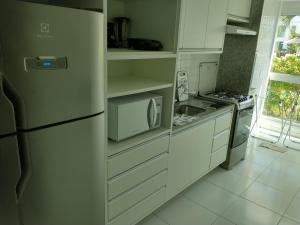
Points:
x=221 y=140
x=141 y=209
x=218 y=157
x=137 y=181
x=142 y=178
x=189 y=157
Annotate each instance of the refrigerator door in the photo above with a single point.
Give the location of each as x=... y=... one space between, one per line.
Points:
x=10 y=172
x=7 y=115
x=53 y=61
x=66 y=175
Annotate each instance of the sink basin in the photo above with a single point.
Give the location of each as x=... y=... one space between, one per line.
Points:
x=189 y=110
x=217 y=105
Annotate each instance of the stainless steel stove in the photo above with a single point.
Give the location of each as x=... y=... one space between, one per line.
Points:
x=241 y=101
x=241 y=124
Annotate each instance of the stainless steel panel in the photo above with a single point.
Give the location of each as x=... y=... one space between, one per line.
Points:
x=67 y=175
x=10 y=172
x=44 y=31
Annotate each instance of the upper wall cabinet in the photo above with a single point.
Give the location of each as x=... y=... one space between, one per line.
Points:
x=202 y=25
x=239 y=10
x=96 y=5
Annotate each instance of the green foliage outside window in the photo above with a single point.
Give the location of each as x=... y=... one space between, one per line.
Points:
x=281 y=91
x=287 y=65
x=287 y=62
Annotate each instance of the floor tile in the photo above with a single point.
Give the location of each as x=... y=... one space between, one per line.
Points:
x=279 y=181
x=243 y=212
x=268 y=197
x=286 y=168
x=222 y=221
x=248 y=169
x=285 y=221
x=210 y=196
x=229 y=180
x=292 y=156
x=259 y=158
x=182 y=211
x=152 y=220
x=293 y=211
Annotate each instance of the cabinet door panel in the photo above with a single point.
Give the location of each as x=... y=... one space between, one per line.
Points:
x=189 y=158
x=194 y=20
x=216 y=24
x=240 y=8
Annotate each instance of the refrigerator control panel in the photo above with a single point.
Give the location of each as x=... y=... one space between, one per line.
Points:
x=45 y=63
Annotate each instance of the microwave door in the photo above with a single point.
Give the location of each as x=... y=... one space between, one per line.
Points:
x=152 y=113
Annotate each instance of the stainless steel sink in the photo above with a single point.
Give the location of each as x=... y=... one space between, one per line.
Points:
x=189 y=110
x=217 y=105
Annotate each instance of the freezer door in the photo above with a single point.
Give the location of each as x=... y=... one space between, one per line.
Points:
x=7 y=116
x=67 y=173
x=53 y=61
x=10 y=172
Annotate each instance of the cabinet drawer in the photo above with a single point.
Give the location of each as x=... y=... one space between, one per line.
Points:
x=137 y=194
x=218 y=157
x=135 y=156
x=142 y=209
x=136 y=176
x=223 y=123
x=221 y=140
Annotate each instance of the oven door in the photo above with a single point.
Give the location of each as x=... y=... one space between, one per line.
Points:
x=242 y=126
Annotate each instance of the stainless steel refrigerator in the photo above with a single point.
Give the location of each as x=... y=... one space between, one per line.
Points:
x=51 y=115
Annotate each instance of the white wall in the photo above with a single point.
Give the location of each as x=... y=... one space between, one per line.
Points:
x=191 y=64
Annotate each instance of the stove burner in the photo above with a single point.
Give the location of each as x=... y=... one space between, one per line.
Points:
x=231 y=96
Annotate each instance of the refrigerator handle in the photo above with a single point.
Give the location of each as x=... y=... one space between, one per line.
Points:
x=24 y=156
x=24 y=159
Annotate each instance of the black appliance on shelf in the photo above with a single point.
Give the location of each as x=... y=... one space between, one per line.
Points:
x=144 y=44
x=241 y=125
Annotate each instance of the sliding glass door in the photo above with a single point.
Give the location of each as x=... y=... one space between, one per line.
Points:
x=283 y=89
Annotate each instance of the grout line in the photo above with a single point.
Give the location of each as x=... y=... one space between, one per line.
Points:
x=295 y=196
x=262 y=206
x=205 y=207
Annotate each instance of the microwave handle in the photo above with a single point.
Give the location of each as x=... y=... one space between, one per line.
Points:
x=152 y=113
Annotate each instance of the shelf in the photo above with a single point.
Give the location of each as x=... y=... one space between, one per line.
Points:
x=128 y=85
x=116 y=147
x=127 y=54
x=199 y=51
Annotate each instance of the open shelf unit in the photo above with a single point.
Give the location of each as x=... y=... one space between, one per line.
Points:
x=149 y=19
x=128 y=85
x=137 y=76
x=129 y=77
x=127 y=54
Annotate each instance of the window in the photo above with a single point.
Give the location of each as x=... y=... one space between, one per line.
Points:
x=284 y=83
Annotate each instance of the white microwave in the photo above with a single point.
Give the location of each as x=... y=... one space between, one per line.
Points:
x=132 y=115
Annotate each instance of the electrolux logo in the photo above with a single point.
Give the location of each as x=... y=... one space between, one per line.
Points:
x=45 y=28
x=44 y=31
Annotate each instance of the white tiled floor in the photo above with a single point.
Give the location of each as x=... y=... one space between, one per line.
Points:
x=262 y=190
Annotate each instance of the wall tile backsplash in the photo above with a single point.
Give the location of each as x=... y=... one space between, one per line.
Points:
x=191 y=64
